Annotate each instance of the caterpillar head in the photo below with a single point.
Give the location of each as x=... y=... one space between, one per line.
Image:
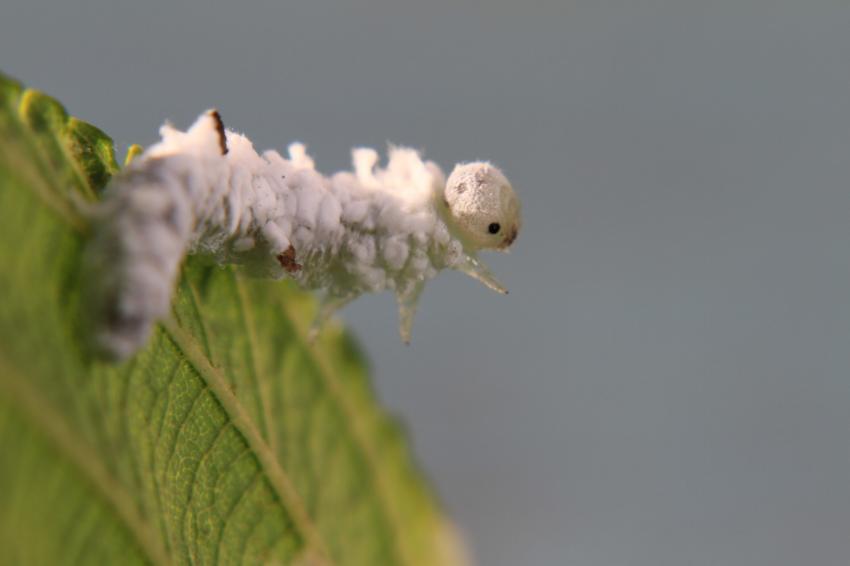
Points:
x=483 y=206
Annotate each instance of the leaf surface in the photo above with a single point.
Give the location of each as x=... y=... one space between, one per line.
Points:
x=228 y=439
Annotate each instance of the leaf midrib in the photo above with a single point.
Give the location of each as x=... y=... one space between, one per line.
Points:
x=332 y=386
x=241 y=420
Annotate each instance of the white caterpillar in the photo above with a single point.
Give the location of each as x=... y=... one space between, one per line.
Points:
x=208 y=191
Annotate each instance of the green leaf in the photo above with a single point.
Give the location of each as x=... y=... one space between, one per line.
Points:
x=228 y=439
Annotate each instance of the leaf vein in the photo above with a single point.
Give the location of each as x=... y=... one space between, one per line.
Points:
x=225 y=519
x=185 y=419
x=360 y=436
x=262 y=385
x=207 y=451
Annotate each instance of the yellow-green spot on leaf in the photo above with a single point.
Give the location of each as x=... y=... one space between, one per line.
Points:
x=93 y=150
x=133 y=152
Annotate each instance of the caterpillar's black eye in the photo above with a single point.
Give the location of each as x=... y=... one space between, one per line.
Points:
x=494 y=228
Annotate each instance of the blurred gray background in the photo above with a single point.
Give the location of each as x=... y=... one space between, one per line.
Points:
x=668 y=382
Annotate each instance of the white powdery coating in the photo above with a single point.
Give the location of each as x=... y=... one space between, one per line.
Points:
x=363 y=231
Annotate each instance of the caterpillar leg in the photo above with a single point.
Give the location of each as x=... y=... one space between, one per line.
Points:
x=328 y=305
x=478 y=270
x=408 y=301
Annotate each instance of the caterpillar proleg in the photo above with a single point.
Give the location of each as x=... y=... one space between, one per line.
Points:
x=207 y=191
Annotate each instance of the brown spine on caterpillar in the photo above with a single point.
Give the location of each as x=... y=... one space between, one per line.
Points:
x=219 y=128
